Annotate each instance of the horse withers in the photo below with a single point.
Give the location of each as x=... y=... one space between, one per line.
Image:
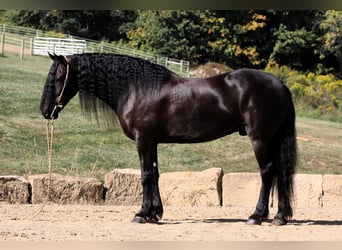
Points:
x=155 y=105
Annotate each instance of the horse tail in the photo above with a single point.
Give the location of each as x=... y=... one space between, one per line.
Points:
x=286 y=160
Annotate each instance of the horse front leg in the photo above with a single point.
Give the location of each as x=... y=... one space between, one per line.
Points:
x=152 y=208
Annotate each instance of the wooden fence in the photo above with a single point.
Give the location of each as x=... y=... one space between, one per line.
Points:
x=37 y=42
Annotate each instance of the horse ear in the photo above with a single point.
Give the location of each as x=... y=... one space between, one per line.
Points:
x=52 y=56
x=61 y=59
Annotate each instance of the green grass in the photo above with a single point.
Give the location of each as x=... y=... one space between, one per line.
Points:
x=84 y=148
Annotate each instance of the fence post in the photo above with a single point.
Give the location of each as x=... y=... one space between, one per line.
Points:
x=22 y=48
x=31 y=46
x=2 y=44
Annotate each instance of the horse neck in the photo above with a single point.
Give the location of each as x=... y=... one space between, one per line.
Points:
x=111 y=77
x=97 y=80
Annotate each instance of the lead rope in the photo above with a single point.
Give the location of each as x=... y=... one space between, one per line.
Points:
x=49 y=140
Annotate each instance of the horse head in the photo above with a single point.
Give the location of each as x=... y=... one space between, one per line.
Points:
x=60 y=86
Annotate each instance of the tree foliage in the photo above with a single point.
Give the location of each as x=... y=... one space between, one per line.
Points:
x=331 y=38
x=94 y=24
x=304 y=40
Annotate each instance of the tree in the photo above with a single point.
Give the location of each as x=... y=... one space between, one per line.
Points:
x=295 y=48
x=248 y=38
x=170 y=33
x=331 y=44
x=102 y=24
x=26 y=18
x=235 y=38
x=94 y=24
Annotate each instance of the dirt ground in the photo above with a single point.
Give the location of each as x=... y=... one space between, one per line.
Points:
x=113 y=223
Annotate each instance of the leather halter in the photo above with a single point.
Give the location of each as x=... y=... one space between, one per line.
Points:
x=58 y=102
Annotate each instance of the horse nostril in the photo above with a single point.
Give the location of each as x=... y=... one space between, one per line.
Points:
x=46 y=114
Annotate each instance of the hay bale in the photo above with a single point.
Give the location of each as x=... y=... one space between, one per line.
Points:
x=66 y=189
x=14 y=190
x=123 y=187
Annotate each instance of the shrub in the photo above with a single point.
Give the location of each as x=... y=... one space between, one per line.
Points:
x=322 y=93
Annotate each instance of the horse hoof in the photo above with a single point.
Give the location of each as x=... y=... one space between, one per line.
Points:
x=252 y=221
x=140 y=220
x=279 y=222
x=154 y=220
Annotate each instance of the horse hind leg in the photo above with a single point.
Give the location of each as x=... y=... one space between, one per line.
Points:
x=277 y=159
x=267 y=172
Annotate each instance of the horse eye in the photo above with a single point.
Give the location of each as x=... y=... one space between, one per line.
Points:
x=59 y=79
x=58 y=84
x=60 y=75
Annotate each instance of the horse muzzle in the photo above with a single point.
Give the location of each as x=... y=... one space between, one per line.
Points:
x=52 y=113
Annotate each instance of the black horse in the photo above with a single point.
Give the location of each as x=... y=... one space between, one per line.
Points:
x=155 y=105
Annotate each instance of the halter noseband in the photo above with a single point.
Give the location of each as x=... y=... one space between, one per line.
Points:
x=58 y=102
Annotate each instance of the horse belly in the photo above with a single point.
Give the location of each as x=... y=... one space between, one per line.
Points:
x=200 y=125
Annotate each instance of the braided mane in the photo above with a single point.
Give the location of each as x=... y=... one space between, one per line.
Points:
x=106 y=79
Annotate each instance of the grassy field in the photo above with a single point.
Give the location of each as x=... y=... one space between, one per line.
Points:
x=84 y=148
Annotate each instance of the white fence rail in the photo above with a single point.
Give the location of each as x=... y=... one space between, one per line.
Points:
x=38 y=42
x=60 y=46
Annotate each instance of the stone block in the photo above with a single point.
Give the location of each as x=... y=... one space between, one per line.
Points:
x=332 y=191
x=192 y=188
x=14 y=190
x=123 y=187
x=308 y=191
x=66 y=189
x=241 y=189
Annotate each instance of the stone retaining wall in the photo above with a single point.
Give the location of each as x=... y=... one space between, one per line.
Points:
x=207 y=188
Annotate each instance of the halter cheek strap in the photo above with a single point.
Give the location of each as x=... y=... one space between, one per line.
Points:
x=59 y=97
